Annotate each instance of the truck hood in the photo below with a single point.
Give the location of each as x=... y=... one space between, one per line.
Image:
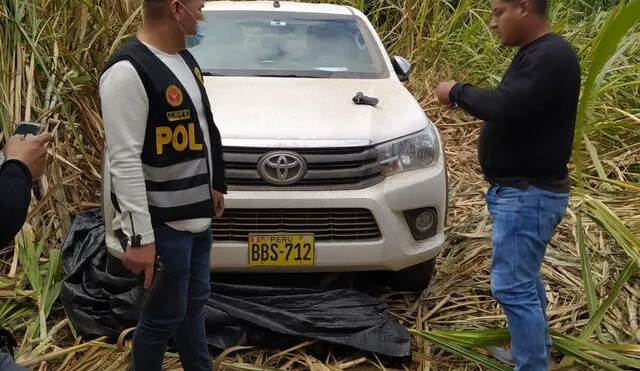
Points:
x=313 y=109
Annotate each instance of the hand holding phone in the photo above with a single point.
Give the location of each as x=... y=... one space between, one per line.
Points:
x=28 y=145
x=155 y=282
x=28 y=127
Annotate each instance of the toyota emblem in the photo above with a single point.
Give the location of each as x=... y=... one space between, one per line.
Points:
x=282 y=168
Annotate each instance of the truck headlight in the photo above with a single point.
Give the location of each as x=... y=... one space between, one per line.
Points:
x=419 y=150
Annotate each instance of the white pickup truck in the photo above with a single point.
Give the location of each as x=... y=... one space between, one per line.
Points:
x=321 y=178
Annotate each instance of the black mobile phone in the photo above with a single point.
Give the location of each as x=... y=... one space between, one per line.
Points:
x=28 y=127
x=157 y=272
x=24 y=128
x=155 y=282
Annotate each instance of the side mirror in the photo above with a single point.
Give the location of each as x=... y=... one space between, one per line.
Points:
x=401 y=66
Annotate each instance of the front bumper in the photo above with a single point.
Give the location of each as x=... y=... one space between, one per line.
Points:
x=395 y=249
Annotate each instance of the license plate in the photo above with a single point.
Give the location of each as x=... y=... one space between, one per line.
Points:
x=281 y=249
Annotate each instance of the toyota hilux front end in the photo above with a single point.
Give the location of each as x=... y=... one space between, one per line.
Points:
x=319 y=180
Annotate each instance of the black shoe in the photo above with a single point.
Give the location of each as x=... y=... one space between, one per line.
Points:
x=7 y=341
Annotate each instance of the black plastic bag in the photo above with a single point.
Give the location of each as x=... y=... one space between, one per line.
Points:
x=99 y=303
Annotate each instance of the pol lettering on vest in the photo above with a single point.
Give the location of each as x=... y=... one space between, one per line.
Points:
x=180 y=138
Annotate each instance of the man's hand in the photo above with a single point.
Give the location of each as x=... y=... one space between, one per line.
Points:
x=442 y=92
x=141 y=258
x=31 y=150
x=218 y=202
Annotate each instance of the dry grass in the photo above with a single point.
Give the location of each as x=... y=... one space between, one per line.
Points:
x=53 y=61
x=459 y=297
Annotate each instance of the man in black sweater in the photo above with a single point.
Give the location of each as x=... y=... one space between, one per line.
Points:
x=25 y=161
x=524 y=148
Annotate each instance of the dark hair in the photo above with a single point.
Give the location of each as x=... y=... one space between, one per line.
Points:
x=153 y=8
x=539 y=5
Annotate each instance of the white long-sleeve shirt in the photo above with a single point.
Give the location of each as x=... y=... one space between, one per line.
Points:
x=124 y=110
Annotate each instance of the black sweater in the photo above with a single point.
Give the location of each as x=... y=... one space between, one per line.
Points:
x=15 y=196
x=530 y=117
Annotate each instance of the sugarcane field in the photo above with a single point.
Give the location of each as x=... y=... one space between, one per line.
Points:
x=352 y=161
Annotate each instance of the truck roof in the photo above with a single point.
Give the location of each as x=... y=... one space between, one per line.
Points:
x=285 y=6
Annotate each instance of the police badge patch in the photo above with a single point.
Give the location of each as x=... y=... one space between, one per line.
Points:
x=174 y=95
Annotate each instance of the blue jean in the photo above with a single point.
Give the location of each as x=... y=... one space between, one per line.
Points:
x=176 y=308
x=8 y=364
x=523 y=223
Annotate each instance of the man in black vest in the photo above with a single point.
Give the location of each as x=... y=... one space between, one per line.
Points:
x=167 y=177
x=524 y=148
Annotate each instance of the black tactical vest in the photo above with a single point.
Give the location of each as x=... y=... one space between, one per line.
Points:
x=177 y=173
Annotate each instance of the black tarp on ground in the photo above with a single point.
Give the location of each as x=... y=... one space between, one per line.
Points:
x=102 y=304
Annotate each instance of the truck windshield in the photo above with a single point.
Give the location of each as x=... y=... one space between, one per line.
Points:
x=258 y=43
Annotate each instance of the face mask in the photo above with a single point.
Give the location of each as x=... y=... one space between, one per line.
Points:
x=193 y=40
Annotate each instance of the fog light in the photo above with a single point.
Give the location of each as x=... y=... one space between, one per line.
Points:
x=423 y=222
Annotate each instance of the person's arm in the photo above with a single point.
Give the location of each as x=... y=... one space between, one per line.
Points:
x=15 y=188
x=218 y=186
x=219 y=182
x=124 y=109
x=531 y=88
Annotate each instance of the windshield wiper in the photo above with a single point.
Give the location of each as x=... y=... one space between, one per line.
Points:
x=285 y=75
x=212 y=74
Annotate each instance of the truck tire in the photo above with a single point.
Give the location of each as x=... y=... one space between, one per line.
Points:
x=414 y=279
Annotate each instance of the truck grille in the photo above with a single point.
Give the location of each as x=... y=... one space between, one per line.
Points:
x=336 y=168
x=337 y=225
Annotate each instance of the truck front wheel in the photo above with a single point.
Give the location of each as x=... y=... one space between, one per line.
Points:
x=415 y=278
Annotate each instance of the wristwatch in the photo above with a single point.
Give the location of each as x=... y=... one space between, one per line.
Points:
x=136 y=239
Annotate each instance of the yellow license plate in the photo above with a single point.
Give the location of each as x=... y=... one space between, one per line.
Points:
x=281 y=249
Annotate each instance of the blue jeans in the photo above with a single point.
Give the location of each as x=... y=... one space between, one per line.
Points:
x=176 y=307
x=8 y=364
x=523 y=223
